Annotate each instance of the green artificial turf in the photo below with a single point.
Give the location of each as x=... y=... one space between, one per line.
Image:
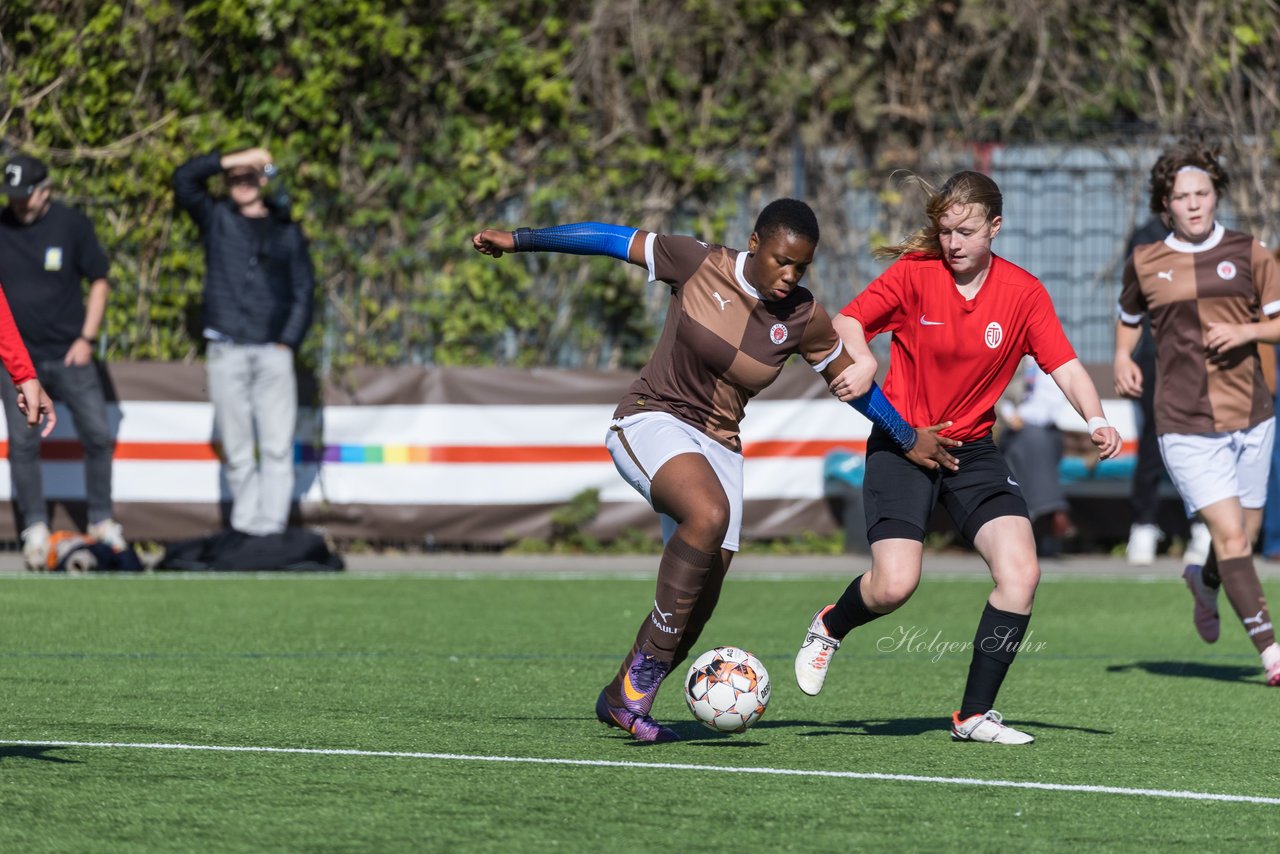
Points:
x=1114 y=684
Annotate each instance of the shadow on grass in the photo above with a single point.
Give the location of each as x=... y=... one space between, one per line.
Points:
x=27 y=751
x=908 y=727
x=1192 y=670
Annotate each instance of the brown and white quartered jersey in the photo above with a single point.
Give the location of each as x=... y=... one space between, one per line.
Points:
x=1228 y=278
x=721 y=343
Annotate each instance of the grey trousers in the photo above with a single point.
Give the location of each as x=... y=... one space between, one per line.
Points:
x=1033 y=454
x=80 y=389
x=255 y=405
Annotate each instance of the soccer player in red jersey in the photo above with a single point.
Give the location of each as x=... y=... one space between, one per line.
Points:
x=961 y=318
x=1212 y=294
x=734 y=319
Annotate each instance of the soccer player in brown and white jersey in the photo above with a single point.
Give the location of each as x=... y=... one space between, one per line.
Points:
x=1212 y=294
x=735 y=318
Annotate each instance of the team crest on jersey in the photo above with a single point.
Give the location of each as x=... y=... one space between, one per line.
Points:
x=995 y=334
x=778 y=333
x=1227 y=271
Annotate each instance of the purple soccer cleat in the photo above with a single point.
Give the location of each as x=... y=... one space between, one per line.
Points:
x=641 y=727
x=640 y=685
x=1205 y=611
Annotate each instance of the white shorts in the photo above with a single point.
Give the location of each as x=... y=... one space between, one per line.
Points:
x=640 y=444
x=1210 y=467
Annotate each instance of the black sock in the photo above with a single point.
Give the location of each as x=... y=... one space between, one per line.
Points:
x=995 y=644
x=849 y=612
x=1209 y=572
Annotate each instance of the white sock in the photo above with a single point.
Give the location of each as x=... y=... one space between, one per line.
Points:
x=1271 y=655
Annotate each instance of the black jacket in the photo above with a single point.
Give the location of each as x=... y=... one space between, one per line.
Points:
x=259 y=285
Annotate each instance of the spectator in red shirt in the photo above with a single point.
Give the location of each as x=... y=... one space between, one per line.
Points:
x=962 y=318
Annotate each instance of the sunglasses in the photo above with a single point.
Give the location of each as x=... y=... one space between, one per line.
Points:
x=248 y=179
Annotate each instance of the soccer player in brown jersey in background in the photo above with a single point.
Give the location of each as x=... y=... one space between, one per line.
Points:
x=1213 y=294
x=734 y=319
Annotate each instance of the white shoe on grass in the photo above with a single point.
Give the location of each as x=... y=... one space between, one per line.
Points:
x=1143 y=540
x=35 y=547
x=109 y=533
x=1197 y=550
x=987 y=728
x=815 y=654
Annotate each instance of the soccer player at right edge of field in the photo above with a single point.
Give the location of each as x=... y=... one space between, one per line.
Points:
x=962 y=318
x=1213 y=294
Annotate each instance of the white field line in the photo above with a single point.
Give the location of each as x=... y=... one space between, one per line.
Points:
x=671 y=766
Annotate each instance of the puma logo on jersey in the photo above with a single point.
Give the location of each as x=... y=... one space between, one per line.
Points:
x=723 y=302
x=1167 y=275
x=924 y=322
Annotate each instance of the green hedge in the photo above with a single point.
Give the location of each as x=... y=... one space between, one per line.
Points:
x=402 y=127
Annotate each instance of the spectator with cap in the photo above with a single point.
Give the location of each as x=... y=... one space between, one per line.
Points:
x=258 y=293
x=47 y=251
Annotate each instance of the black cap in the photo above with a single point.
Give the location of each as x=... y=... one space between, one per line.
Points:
x=22 y=174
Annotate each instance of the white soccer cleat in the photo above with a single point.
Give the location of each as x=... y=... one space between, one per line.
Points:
x=815 y=654
x=109 y=533
x=35 y=547
x=1197 y=550
x=1143 y=540
x=1271 y=663
x=988 y=728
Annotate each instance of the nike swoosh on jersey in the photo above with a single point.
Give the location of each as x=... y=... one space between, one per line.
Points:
x=924 y=322
x=1012 y=482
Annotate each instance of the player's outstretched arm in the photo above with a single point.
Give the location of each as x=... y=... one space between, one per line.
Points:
x=922 y=445
x=493 y=242
x=855 y=384
x=579 y=238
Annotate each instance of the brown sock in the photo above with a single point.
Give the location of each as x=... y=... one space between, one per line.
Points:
x=702 y=611
x=682 y=575
x=1244 y=591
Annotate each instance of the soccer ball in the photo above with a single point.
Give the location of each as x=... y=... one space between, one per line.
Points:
x=727 y=689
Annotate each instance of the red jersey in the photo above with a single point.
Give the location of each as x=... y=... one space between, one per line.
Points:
x=952 y=358
x=12 y=351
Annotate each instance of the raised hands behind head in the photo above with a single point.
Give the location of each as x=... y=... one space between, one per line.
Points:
x=254 y=158
x=494 y=242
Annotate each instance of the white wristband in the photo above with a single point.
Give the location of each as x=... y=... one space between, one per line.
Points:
x=1096 y=423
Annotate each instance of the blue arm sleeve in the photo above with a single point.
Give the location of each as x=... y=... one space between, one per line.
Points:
x=880 y=412
x=579 y=238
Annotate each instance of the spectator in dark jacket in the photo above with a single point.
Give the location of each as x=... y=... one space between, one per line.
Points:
x=258 y=294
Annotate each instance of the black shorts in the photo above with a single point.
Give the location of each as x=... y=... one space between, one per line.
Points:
x=899 y=496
